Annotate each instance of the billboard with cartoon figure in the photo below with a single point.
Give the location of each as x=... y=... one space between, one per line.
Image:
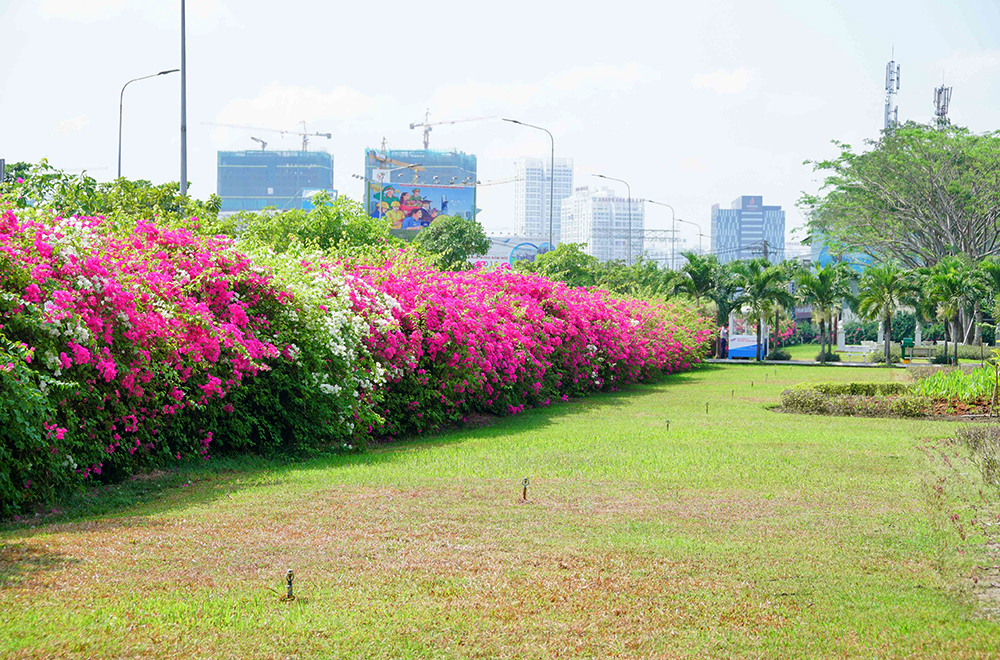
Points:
x=414 y=206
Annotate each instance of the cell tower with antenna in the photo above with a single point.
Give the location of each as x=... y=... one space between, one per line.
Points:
x=942 y=99
x=891 y=87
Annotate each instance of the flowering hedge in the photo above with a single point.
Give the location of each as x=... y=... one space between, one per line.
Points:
x=498 y=341
x=136 y=349
x=123 y=352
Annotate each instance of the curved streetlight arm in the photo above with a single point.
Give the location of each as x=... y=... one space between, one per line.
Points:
x=552 y=175
x=697 y=226
x=673 y=243
x=611 y=178
x=121 y=106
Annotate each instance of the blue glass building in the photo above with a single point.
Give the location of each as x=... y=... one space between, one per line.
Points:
x=255 y=179
x=748 y=230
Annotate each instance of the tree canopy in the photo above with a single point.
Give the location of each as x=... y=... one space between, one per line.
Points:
x=919 y=194
x=452 y=241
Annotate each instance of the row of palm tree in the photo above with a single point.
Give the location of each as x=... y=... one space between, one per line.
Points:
x=952 y=289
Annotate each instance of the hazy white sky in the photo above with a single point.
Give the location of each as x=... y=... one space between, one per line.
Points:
x=692 y=102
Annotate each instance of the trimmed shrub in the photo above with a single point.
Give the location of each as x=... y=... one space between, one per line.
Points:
x=862 y=389
x=877 y=356
x=808 y=399
x=830 y=357
x=779 y=354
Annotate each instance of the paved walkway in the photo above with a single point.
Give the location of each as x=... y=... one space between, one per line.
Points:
x=808 y=363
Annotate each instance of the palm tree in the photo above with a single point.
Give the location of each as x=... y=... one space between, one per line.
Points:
x=700 y=272
x=990 y=269
x=884 y=288
x=826 y=289
x=954 y=285
x=762 y=286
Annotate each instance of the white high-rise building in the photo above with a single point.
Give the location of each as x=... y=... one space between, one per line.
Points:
x=532 y=185
x=599 y=218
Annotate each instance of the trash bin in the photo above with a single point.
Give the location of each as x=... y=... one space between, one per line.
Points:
x=907 y=344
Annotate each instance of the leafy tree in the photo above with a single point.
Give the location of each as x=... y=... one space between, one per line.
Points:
x=452 y=241
x=567 y=263
x=884 y=288
x=341 y=224
x=644 y=279
x=762 y=286
x=921 y=193
x=14 y=171
x=123 y=202
x=825 y=289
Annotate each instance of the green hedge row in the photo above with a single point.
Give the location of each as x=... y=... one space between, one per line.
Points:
x=855 y=399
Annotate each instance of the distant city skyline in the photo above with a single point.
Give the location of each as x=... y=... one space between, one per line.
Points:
x=600 y=219
x=533 y=187
x=688 y=120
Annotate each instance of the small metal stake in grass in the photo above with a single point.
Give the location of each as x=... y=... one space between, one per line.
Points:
x=524 y=490
x=288 y=582
x=706 y=407
x=732 y=394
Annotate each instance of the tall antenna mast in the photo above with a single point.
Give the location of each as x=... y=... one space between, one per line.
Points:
x=942 y=98
x=891 y=87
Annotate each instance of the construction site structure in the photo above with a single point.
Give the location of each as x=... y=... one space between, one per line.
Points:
x=283 y=132
x=427 y=125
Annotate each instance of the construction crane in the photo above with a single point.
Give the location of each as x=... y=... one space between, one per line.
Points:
x=427 y=124
x=263 y=145
x=304 y=132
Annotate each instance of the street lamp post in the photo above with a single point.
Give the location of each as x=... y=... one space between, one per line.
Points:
x=696 y=225
x=184 y=128
x=121 y=106
x=611 y=178
x=673 y=232
x=552 y=176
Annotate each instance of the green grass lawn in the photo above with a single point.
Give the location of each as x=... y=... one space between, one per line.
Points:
x=654 y=528
x=810 y=351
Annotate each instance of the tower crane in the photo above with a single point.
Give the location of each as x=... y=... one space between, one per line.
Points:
x=427 y=124
x=304 y=132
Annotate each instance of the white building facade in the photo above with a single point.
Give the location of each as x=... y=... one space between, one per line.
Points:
x=600 y=219
x=532 y=185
